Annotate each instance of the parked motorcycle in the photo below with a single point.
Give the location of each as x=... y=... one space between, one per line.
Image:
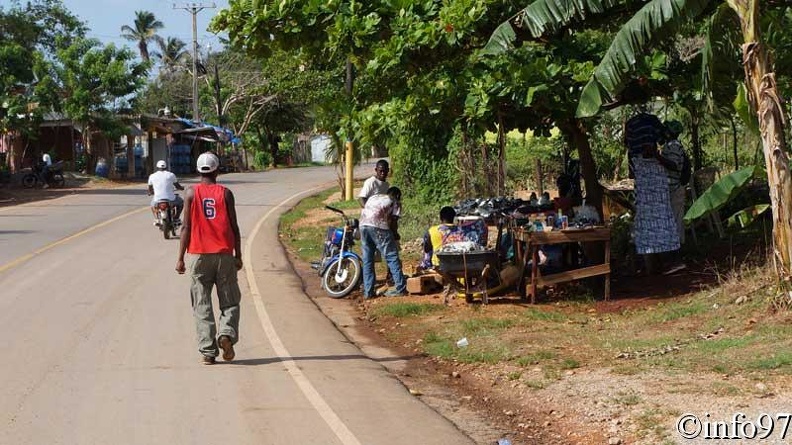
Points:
x=340 y=268
x=166 y=218
x=36 y=176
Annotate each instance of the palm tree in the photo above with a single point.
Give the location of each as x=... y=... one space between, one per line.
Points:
x=653 y=22
x=144 y=31
x=171 y=52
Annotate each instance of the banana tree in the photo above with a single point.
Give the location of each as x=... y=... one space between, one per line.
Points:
x=653 y=22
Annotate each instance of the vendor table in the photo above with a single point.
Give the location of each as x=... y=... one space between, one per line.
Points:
x=535 y=239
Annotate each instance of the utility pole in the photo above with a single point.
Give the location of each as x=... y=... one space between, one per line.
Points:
x=194 y=9
x=350 y=147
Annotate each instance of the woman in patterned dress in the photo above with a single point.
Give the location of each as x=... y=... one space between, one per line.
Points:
x=655 y=229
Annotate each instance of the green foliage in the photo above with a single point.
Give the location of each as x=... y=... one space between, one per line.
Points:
x=262 y=159
x=721 y=192
x=401 y=310
x=746 y=217
x=657 y=20
x=521 y=156
x=142 y=32
x=29 y=35
x=96 y=79
x=545 y=17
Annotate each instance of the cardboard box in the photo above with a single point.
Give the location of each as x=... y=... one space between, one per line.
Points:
x=424 y=284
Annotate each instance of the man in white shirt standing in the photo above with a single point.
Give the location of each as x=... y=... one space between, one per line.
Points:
x=377 y=184
x=379 y=232
x=46 y=163
x=161 y=184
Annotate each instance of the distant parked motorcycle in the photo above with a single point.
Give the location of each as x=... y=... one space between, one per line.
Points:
x=166 y=218
x=340 y=268
x=36 y=177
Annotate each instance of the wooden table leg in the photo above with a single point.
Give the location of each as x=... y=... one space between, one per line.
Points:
x=607 y=275
x=522 y=262
x=534 y=272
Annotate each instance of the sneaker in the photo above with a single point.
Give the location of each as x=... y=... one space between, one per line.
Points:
x=208 y=360
x=227 y=346
x=394 y=293
x=156 y=223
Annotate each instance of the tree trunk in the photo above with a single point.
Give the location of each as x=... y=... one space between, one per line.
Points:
x=764 y=99
x=698 y=156
x=272 y=141
x=501 y=178
x=580 y=141
x=130 y=155
x=89 y=154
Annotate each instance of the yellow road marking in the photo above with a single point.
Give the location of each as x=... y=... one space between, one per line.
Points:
x=41 y=250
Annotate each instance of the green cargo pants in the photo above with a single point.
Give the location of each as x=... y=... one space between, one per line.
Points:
x=209 y=270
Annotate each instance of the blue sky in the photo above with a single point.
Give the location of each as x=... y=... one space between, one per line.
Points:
x=106 y=17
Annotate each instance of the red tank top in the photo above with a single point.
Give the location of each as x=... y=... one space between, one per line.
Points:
x=211 y=228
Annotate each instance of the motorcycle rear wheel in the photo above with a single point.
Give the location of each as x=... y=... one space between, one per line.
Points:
x=166 y=229
x=351 y=272
x=29 y=180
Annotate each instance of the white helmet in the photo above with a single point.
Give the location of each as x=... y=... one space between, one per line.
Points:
x=161 y=164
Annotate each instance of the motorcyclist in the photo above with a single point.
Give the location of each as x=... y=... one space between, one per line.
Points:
x=161 y=184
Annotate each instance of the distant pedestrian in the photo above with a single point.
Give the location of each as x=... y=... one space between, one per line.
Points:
x=210 y=233
x=46 y=163
x=379 y=231
x=376 y=184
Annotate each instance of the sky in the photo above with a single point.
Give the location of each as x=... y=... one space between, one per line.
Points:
x=106 y=17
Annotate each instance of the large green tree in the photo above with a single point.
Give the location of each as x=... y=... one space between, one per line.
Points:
x=95 y=83
x=30 y=34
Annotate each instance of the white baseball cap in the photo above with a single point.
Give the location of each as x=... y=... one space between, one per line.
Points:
x=162 y=164
x=207 y=162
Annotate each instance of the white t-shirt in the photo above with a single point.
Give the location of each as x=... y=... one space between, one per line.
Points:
x=47 y=159
x=373 y=186
x=162 y=182
x=378 y=211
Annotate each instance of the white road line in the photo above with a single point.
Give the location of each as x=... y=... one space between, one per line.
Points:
x=320 y=405
x=41 y=250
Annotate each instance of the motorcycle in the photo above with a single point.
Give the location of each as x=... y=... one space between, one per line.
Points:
x=340 y=268
x=166 y=218
x=36 y=176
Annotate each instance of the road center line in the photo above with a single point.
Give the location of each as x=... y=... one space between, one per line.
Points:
x=320 y=405
x=41 y=250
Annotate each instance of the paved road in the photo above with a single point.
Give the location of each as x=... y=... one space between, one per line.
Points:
x=99 y=348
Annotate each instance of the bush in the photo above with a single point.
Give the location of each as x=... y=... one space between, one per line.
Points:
x=262 y=159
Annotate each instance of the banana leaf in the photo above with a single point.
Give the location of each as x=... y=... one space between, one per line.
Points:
x=657 y=20
x=543 y=17
x=747 y=216
x=721 y=192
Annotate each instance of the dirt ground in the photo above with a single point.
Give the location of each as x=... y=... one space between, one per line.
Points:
x=583 y=406
x=590 y=404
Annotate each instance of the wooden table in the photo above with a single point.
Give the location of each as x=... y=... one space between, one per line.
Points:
x=534 y=240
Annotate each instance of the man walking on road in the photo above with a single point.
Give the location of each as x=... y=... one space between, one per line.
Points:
x=211 y=234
